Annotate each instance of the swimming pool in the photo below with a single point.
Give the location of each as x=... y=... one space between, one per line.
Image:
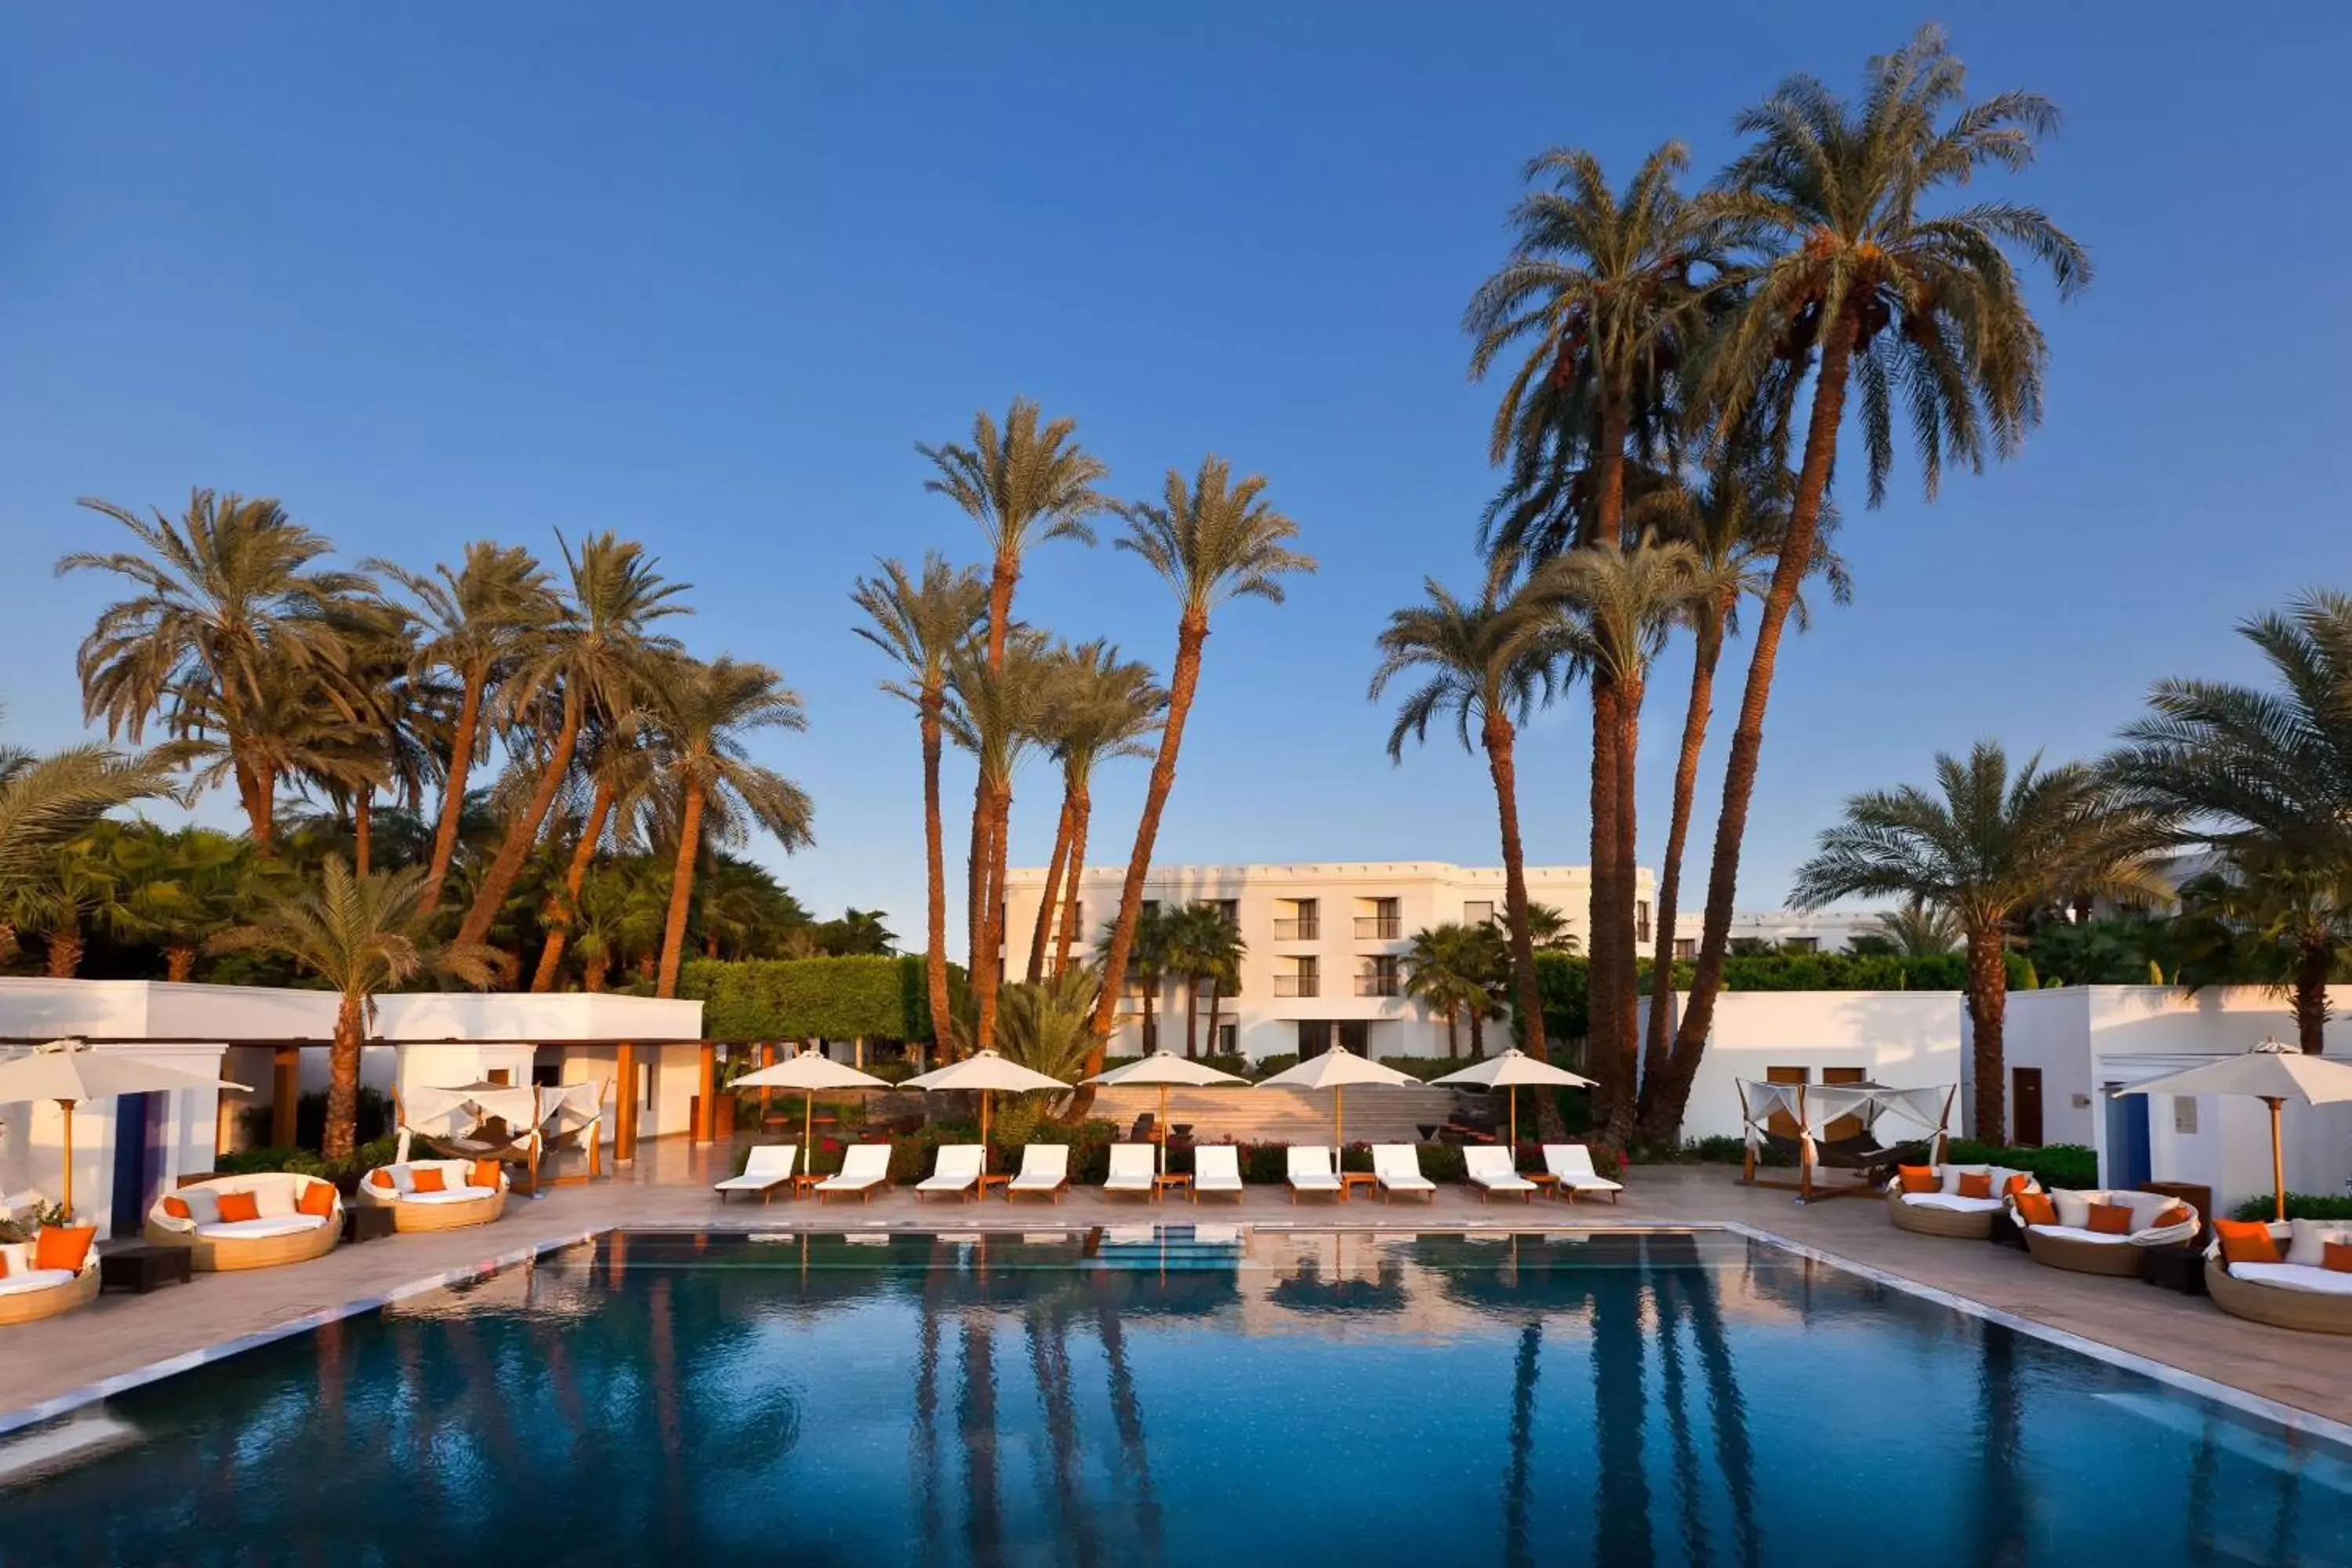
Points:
x=1178 y=1396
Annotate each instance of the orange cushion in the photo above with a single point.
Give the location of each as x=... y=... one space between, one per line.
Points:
x=1918 y=1178
x=2246 y=1241
x=178 y=1208
x=2177 y=1214
x=1976 y=1186
x=4 y=1265
x=63 y=1247
x=2035 y=1208
x=2015 y=1185
x=382 y=1178
x=485 y=1174
x=2338 y=1256
x=2111 y=1219
x=235 y=1206
x=318 y=1198
x=425 y=1181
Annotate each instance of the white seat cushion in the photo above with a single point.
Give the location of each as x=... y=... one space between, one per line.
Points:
x=1953 y=1201
x=750 y=1181
x=449 y=1196
x=35 y=1279
x=1502 y=1182
x=2295 y=1277
x=946 y=1183
x=2077 y=1233
x=255 y=1229
x=2307 y=1240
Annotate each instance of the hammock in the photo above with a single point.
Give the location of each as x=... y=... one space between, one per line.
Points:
x=499 y=1122
x=1814 y=1106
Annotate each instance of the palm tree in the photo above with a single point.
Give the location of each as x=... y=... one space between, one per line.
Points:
x=1200 y=943
x=1854 y=279
x=227 y=604
x=1618 y=606
x=619 y=773
x=594 y=658
x=921 y=625
x=2262 y=776
x=1148 y=963
x=1097 y=706
x=389 y=721
x=1486 y=665
x=1548 y=928
x=49 y=801
x=1027 y=482
x=1992 y=849
x=1919 y=928
x=1210 y=540
x=703 y=715
x=1455 y=970
x=81 y=887
x=995 y=714
x=476 y=622
x=358 y=934
x=1044 y=1025
x=185 y=886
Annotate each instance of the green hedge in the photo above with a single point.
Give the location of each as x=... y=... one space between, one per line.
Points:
x=811 y=998
x=1561 y=978
x=1427 y=1068
x=2299 y=1205
x=2075 y=1166
x=344 y=1173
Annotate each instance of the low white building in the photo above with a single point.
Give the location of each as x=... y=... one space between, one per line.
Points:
x=1791 y=931
x=1907 y=1039
x=275 y=1042
x=1324 y=946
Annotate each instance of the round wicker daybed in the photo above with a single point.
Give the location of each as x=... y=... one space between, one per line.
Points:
x=2071 y=1244
x=29 y=1292
x=2286 y=1295
x=1945 y=1212
x=460 y=1202
x=297 y=1218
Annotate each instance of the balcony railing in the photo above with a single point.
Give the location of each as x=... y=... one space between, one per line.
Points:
x=1307 y=929
x=1379 y=985
x=1379 y=928
x=1298 y=985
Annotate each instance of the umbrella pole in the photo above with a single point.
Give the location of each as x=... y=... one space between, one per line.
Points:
x=1514 y=1092
x=1160 y=1127
x=808 y=1130
x=2278 y=1163
x=68 y=1105
x=1338 y=1126
x=983 y=1131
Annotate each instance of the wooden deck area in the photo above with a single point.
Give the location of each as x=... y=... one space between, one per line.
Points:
x=669 y=1187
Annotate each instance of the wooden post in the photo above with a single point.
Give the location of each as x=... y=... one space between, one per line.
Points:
x=624 y=1105
x=706 y=1115
x=224 y=1119
x=767 y=1060
x=284 y=1091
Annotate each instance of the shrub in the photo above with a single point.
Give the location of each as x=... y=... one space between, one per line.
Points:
x=1267 y=1066
x=1718 y=1149
x=810 y=998
x=373 y=1119
x=2070 y=1166
x=2299 y=1205
x=1427 y=1068
x=344 y=1173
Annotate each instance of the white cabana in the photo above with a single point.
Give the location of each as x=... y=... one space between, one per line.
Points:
x=1339 y=1070
x=988 y=1073
x=70 y=1072
x=810 y=1071
x=1165 y=1068
x=1508 y=1071
x=451 y=1120
x=2272 y=1072
x=1885 y=1115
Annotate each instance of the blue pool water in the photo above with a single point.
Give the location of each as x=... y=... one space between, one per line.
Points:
x=1133 y=1399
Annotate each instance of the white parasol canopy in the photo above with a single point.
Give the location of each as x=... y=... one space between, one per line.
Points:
x=2274 y=1072
x=809 y=1071
x=70 y=1072
x=1165 y=1068
x=1508 y=1071
x=989 y=1074
x=1339 y=1069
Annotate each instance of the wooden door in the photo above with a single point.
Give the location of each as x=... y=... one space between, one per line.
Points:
x=2026 y=1107
x=1844 y=1126
x=1780 y=1121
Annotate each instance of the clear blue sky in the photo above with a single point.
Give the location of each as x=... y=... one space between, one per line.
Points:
x=704 y=274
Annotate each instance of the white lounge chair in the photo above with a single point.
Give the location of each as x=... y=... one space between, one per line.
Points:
x=864 y=1167
x=1397 y=1166
x=1131 y=1170
x=955 y=1173
x=1044 y=1170
x=1310 y=1171
x=768 y=1167
x=1216 y=1168
x=1572 y=1164
x=1488 y=1168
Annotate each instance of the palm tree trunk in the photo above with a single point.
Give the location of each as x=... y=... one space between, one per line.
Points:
x=1600 y=970
x=1796 y=558
x=1987 y=1006
x=1192 y=632
x=65 y=949
x=1501 y=743
x=681 y=889
x=1191 y=1016
x=453 y=796
x=592 y=972
x=2312 y=961
x=1478 y=1033
x=1151 y=1019
x=1081 y=809
x=976 y=879
x=343 y=1081
x=1452 y=1032
x=935 y=957
x=363 y=830
x=1625 y=983
x=1216 y=996
x=988 y=945
x=559 y=923
x=1704 y=657
x=523 y=830
x=1048 y=904
x=179 y=962
x=257 y=790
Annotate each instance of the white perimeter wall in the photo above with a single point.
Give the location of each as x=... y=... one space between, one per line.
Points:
x=1907 y=1039
x=2050 y=1030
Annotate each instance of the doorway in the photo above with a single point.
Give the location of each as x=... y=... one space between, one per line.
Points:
x=140 y=1123
x=2026 y=1107
x=2125 y=1161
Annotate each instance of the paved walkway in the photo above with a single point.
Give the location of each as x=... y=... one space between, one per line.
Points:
x=121 y=1334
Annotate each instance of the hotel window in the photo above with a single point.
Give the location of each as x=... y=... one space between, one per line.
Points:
x=1296 y=920
x=1685 y=947
x=1379 y=977
x=1477 y=911
x=1229 y=1039
x=1377 y=920
x=1641 y=920
x=1297 y=976
x=1801 y=945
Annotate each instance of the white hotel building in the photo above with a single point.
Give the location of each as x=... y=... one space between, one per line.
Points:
x=1325 y=946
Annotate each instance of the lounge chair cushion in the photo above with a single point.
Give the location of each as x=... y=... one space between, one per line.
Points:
x=2080 y=1233
x=33 y=1280
x=240 y=1208
x=1310 y=1169
x=177 y=1207
x=427 y=1181
x=2337 y=1257
x=2246 y=1241
x=1952 y=1201
x=2295 y=1277
x=1949 y=1177
x=451 y=1196
x=63 y=1247
x=256 y=1229
x=2039 y=1210
x=1975 y=1185
x=1216 y=1171
x=1917 y=1178
x=2307 y=1239
x=2111 y=1219
x=318 y=1198
x=274 y=1200
x=484 y=1174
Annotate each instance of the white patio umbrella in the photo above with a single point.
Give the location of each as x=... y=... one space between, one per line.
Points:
x=2274 y=1072
x=70 y=1072
x=1508 y=1071
x=808 y=1072
x=989 y=1074
x=1337 y=1069
x=1165 y=1068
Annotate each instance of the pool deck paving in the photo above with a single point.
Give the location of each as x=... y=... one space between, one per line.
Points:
x=116 y=1341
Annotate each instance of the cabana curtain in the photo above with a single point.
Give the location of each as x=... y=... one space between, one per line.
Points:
x=1815 y=1105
